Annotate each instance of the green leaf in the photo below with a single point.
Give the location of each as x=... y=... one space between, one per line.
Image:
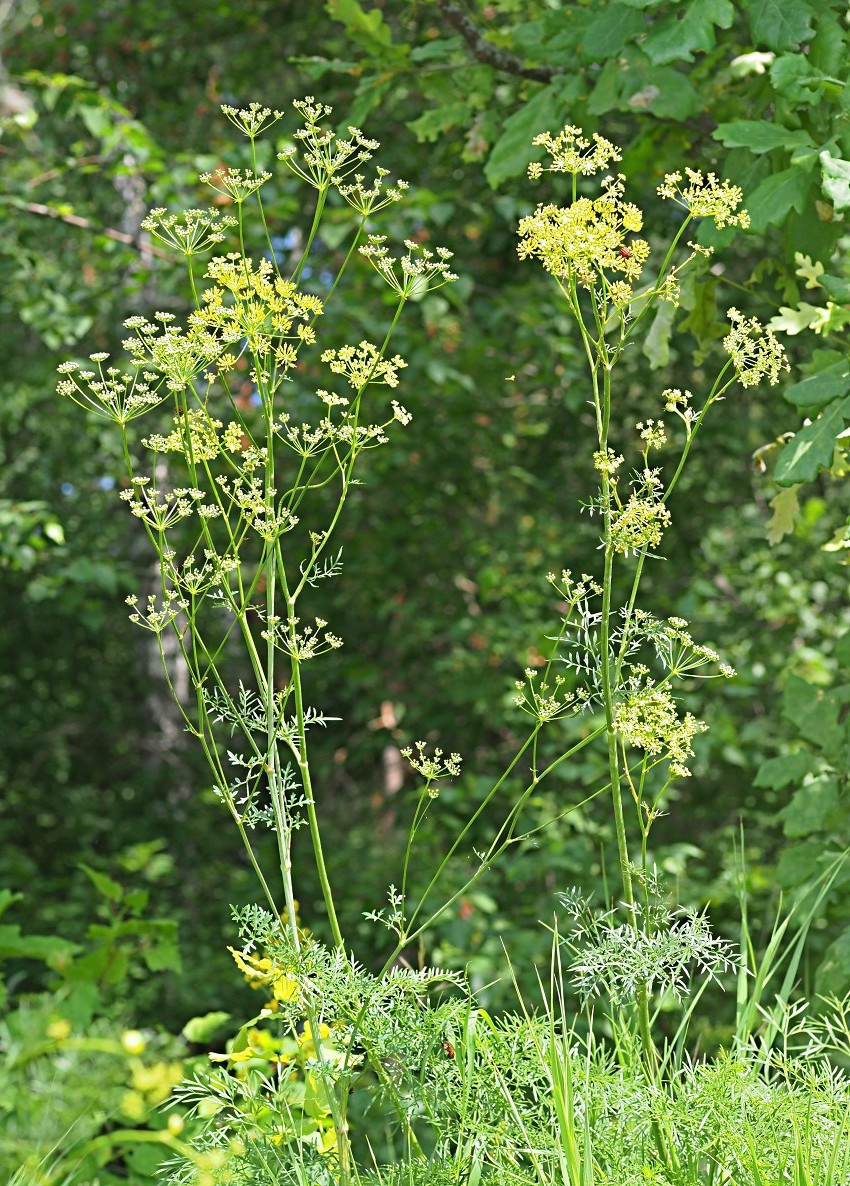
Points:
x=364 y=26
x=813 y=447
x=547 y=110
x=606 y=93
x=818 y=390
x=791 y=76
x=164 y=956
x=808 y=269
x=836 y=287
x=810 y=808
x=203 y=1029
x=780 y=24
x=660 y=90
x=780 y=772
x=688 y=30
x=800 y=863
x=608 y=32
x=814 y=712
x=842 y=650
x=50 y=949
x=7 y=899
x=802 y=316
x=771 y=201
x=836 y=180
x=437 y=120
x=699 y=301
x=110 y=889
x=656 y=345
x=760 y=135
x=98 y=120
x=833 y=972
x=786 y=507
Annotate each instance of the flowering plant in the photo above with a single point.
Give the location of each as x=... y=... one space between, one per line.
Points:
x=228 y=506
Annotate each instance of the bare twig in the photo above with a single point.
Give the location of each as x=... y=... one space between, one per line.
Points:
x=84 y=223
x=492 y=55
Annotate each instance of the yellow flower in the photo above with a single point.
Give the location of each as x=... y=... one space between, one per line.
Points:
x=133 y=1041
x=706 y=197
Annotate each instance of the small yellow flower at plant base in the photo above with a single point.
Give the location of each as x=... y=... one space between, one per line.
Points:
x=59 y=1030
x=133 y=1041
x=133 y=1106
x=176 y=1124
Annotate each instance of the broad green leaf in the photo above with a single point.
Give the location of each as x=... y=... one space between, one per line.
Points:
x=606 y=93
x=801 y=863
x=688 y=30
x=792 y=77
x=785 y=506
x=202 y=1029
x=656 y=346
x=98 y=120
x=833 y=974
x=630 y=85
x=433 y=123
x=610 y=30
x=813 y=446
x=801 y=316
x=110 y=889
x=836 y=287
x=557 y=33
x=782 y=771
x=50 y=949
x=780 y=24
x=368 y=26
x=546 y=111
x=163 y=956
x=836 y=180
x=810 y=808
x=660 y=90
x=842 y=650
x=775 y=196
x=828 y=47
x=699 y=301
x=813 y=711
x=760 y=135
x=436 y=50
x=818 y=390
x=808 y=269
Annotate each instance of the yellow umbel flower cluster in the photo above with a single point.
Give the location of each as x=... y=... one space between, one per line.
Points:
x=588 y=240
x=251 y=301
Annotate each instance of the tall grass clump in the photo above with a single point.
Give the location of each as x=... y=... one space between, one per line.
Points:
x=396 y=1075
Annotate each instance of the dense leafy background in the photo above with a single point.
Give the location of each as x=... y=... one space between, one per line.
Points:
x=111 y=107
